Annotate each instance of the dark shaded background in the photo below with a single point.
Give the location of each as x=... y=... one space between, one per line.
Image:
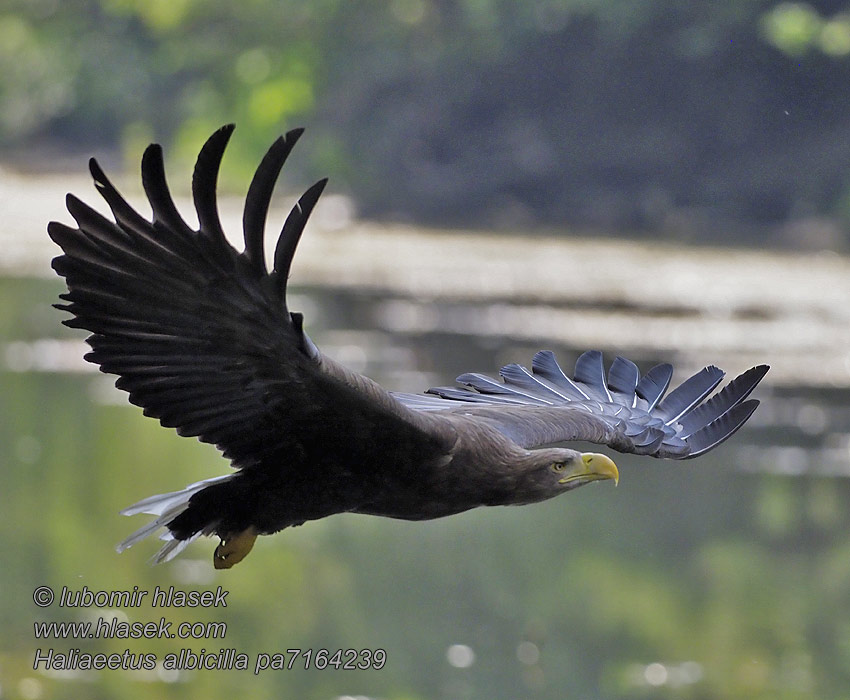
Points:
x=719 y=122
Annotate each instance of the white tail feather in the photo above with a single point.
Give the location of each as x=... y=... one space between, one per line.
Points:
x=167 y=506
x=173 y=547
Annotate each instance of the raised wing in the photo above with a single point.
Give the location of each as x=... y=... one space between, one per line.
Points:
x=628 y=412
x=200 y=334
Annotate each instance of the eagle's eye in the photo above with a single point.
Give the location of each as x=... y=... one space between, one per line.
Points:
x=557 y=466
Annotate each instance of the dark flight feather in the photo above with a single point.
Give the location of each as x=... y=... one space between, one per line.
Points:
x=204 y=182
x=732 y=394
x=165 y=214
x=259 y=198
x=720 y=429
x=590 y=375
x=545 y=364
x=623 y=377
x=293 y=227
x=653 y=384
x=688 y=394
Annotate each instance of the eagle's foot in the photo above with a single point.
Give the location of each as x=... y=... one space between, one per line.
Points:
x=233 y=548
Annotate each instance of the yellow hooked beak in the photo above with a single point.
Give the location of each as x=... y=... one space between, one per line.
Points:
x=594 y=467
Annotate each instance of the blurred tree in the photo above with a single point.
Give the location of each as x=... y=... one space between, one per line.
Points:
x=691 y=118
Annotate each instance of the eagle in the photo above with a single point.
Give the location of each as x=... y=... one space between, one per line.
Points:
x=201 y=337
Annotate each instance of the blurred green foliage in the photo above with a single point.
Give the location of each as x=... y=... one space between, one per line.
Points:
x=797 y=27
x=688 y=581
x=124 y=72
x=616 y=113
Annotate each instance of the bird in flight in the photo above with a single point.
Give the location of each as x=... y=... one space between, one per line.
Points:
x=201 y=337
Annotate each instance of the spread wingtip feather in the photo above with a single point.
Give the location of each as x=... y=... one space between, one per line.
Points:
x=259 y=197
x=684 y=423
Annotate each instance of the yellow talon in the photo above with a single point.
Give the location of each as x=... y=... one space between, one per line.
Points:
x=234 y=548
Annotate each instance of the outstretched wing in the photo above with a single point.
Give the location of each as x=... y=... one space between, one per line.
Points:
x=628 y=412
x=200 y=334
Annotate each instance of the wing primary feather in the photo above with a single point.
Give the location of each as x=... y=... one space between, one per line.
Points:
x=126 y=217
x=654 y=383
x=169 y=251
x=204 y=180
x=91 y=223
x=156 y=188
x=720 y=429
x=590 y=372
x=517 y=375
x=293 y=227
x=259 y=197
x=76 y=245
x=545 y=364
x=487 y=385
x=730 y=396
x=688 y=394
x=623 y=377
